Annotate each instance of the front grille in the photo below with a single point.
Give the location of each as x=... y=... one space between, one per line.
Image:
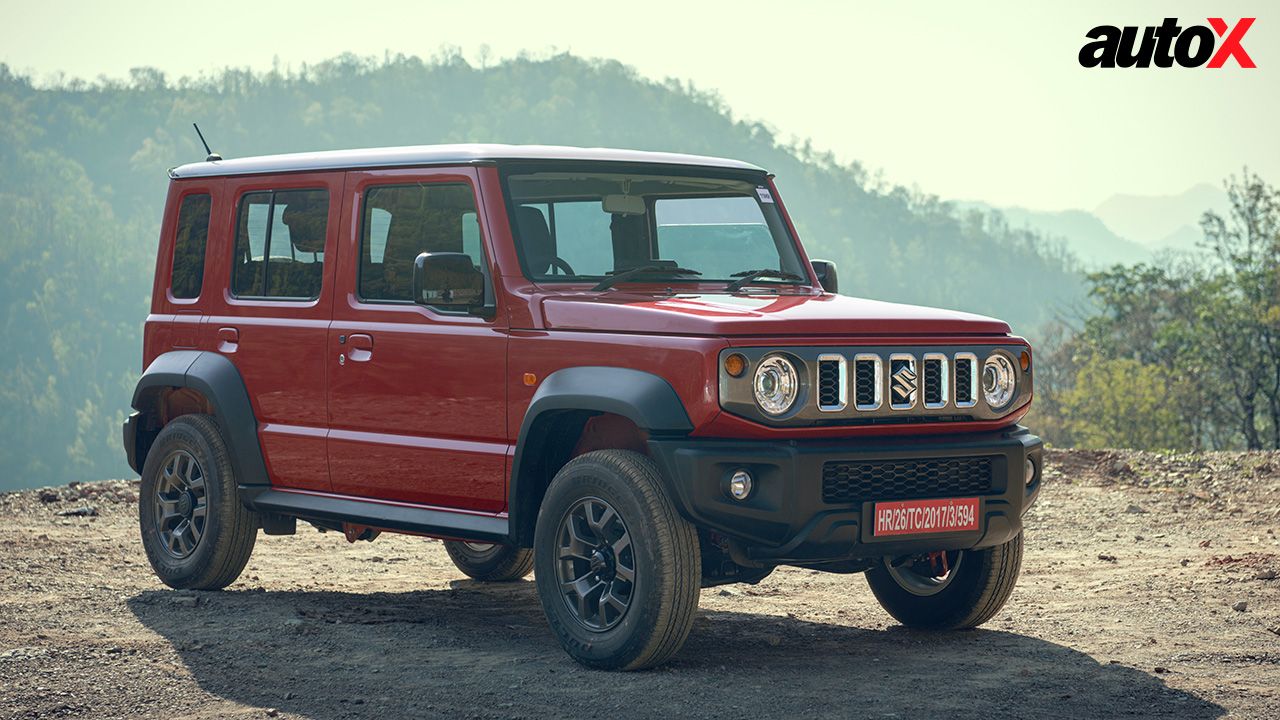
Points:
x=965 y=391
x=856 y=481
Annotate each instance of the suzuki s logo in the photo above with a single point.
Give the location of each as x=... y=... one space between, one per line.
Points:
x=1165 y=44
x=903 y=382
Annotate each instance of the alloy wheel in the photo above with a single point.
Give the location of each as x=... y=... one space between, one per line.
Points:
x=180 y=504
x=595 y=564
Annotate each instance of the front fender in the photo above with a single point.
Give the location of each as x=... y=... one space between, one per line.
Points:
x=642 y=397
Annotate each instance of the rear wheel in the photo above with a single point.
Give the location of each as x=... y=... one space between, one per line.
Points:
x=490 y=562
x=618 y=569
x=196 y=533
x=948 y=590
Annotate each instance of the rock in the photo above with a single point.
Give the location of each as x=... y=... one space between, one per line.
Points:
x=1240 y=606
x=272 y=712
x=1135 y=510
x=185 y=600
x=49 y=495
x=82 y=511
x=1265 y=575
x=1161 y=670
x=727 y=592
x=1106 y=558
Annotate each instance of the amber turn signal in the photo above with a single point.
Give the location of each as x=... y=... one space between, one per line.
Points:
x=530 y=379
x=1025 y=360
x=735 y=365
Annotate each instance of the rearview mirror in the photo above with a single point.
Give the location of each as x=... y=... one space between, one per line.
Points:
x=622 y=204
x=827 y=276
x=447 y=280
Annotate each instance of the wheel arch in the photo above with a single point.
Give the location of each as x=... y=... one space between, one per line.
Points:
x=558 y=417
x=203 y=381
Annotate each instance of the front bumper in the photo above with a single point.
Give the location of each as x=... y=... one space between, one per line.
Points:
x=786 y=520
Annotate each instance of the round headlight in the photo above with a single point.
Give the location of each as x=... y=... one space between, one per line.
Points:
x=998 y=381
x=776 y=385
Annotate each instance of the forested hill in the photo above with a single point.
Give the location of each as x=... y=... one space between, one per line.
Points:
x=82 y=182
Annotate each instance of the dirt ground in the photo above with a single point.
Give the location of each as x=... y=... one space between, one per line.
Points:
x=1149 y=589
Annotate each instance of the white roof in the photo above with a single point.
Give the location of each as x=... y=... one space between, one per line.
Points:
x=413 y=155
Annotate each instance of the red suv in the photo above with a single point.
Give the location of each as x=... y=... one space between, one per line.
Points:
x=616 y=368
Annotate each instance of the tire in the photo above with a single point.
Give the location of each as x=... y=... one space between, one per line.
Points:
x=974 y=591
x=214 y=548
x=490 y=562
x=645 y=539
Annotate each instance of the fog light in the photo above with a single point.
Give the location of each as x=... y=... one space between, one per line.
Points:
x=740 y=485
x=1030 y=470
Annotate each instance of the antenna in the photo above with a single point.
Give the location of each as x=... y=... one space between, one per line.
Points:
x=213 y=156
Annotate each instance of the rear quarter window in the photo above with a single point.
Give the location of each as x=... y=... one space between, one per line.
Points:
x=189 y=242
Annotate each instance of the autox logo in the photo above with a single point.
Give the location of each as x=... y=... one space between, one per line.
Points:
x=1167 y=43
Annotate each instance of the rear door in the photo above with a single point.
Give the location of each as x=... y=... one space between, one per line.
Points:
x=280 y=235
x=417 y=395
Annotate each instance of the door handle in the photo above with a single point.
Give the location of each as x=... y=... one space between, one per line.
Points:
x=361 y=347
x=228 y=339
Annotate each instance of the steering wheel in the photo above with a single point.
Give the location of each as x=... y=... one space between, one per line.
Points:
x=559 y=264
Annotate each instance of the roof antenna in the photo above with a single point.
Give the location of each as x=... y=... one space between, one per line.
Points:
x=213 y=156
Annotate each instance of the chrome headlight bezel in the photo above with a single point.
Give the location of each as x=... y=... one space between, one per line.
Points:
x=999 y=380
x=775 y=385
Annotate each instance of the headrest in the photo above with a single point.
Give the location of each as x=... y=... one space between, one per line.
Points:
x=306 y=221
x=535 y=238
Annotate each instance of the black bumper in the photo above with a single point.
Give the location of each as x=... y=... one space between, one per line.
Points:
x=786 y=518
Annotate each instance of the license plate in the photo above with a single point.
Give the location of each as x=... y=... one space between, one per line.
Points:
x=920 y=517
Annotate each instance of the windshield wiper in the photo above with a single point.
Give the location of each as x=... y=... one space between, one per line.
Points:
x=746 y=277
x=650 y=269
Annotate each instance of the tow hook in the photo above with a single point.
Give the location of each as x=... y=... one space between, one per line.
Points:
x=938 y=563
x=359 y=532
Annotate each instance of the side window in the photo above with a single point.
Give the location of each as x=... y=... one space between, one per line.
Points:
x=188 y=247
x=280 y=238
x=402 y=221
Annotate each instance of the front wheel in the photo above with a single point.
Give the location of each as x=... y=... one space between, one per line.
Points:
x=490 y=562
x=948 y=590
x=618 y=569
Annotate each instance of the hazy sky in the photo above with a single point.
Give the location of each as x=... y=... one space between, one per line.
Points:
x=967 y=100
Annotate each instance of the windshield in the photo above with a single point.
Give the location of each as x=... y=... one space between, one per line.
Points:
x=586 y=226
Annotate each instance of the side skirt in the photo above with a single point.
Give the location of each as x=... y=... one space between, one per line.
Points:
x=380 y=514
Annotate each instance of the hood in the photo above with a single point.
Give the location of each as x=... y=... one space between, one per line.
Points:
x=729 y=315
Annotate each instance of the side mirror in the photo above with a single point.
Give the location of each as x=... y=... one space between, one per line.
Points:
x=827 y=275
x=447 y=280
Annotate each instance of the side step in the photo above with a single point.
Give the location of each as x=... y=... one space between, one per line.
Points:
x=377 y=514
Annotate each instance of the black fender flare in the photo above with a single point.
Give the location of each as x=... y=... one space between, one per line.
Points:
x=645 y=399
x=217 y=378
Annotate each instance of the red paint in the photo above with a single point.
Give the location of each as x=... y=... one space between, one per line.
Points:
x=399 y=403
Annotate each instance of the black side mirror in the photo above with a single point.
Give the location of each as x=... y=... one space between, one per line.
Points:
x=827 y=275
x=447 y=280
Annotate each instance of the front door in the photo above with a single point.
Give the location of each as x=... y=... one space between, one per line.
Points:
x=417 y=397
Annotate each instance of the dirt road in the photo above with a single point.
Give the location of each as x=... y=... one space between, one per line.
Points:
x=1127 y=607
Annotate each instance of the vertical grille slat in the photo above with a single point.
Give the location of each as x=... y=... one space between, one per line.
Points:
x=966 y=380
x=867 y=382
x=833 y=389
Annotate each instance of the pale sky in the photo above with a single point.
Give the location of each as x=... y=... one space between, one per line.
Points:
x=973 y=100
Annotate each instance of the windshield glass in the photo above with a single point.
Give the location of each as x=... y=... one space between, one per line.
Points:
x=585 y=226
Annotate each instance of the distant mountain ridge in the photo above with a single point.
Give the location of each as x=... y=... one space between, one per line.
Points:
x=1162 y=221
x=1124 y=228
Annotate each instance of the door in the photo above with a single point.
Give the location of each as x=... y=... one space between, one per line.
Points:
x=280 y=238
x=417 y=398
